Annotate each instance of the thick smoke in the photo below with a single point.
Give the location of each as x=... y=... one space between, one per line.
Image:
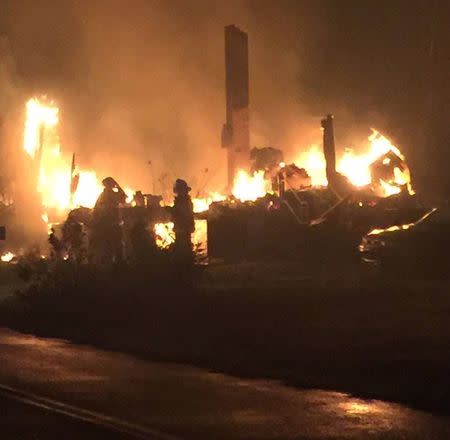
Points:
x=141 y=84
x=158 y=73
x=142 y=81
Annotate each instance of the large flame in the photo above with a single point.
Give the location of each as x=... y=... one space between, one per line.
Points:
x=88 y=189
x=314 y=163
x=202 y=204
x=356 y=167
x=41 y=142
x=55 y=175
x=39 y=117
x=54 y=171
x=250 y=188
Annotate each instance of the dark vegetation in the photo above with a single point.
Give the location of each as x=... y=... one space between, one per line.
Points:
x=385 y=339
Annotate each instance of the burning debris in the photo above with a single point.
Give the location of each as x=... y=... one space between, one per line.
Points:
x=382 y=170
x=202 y=204
x=250 y=188
x=270 y=199
x=64 y=188
x=264 y=192
x=7 y=257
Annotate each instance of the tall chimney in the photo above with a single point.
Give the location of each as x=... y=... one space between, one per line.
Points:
x=235 y=132
x=329 y=149
x=338 y=183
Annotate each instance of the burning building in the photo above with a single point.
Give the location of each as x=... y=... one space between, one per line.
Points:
x=273 y=204
x=270 y=205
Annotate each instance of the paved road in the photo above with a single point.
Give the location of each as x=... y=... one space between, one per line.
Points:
x=27 y=422
x=190 y=403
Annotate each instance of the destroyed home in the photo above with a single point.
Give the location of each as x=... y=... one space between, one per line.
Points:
x=266 y=197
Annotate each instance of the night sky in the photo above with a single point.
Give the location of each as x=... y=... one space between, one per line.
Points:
x=145 y=78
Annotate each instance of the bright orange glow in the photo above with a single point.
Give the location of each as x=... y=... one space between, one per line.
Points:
x=88 y=189
x=381 y=145
x=130 y=195
x=359 y=407
x=200 y=235
x=313 y=162
x=391 y=229
x=165 y=235
x=388 y=189
x=41 y=142
x=402 y=227
x=202 y=205
x=250 y=188
x=38 y=116
x=7 y=257
x=356 y=167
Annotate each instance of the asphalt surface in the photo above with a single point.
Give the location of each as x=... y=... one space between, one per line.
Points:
x=185 y=402
x=28 y=422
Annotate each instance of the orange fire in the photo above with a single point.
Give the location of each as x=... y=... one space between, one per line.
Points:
x=41 y=142
x=314 y=163
x=54 y=175
x=356 y=167
x=7 y=257
x=202 y=204
x=88 y=190
x=165 y=235
x=250 y=188
x=54 y=172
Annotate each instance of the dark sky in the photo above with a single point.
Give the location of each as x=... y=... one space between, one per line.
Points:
x=142 y=79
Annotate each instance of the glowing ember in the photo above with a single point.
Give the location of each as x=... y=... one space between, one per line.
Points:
x=7 y=257
x=404 y=226
x=391 y=229
x=250 y=188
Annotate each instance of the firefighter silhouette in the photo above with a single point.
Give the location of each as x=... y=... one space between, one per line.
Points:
x=106 y=223
x=183 y=218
